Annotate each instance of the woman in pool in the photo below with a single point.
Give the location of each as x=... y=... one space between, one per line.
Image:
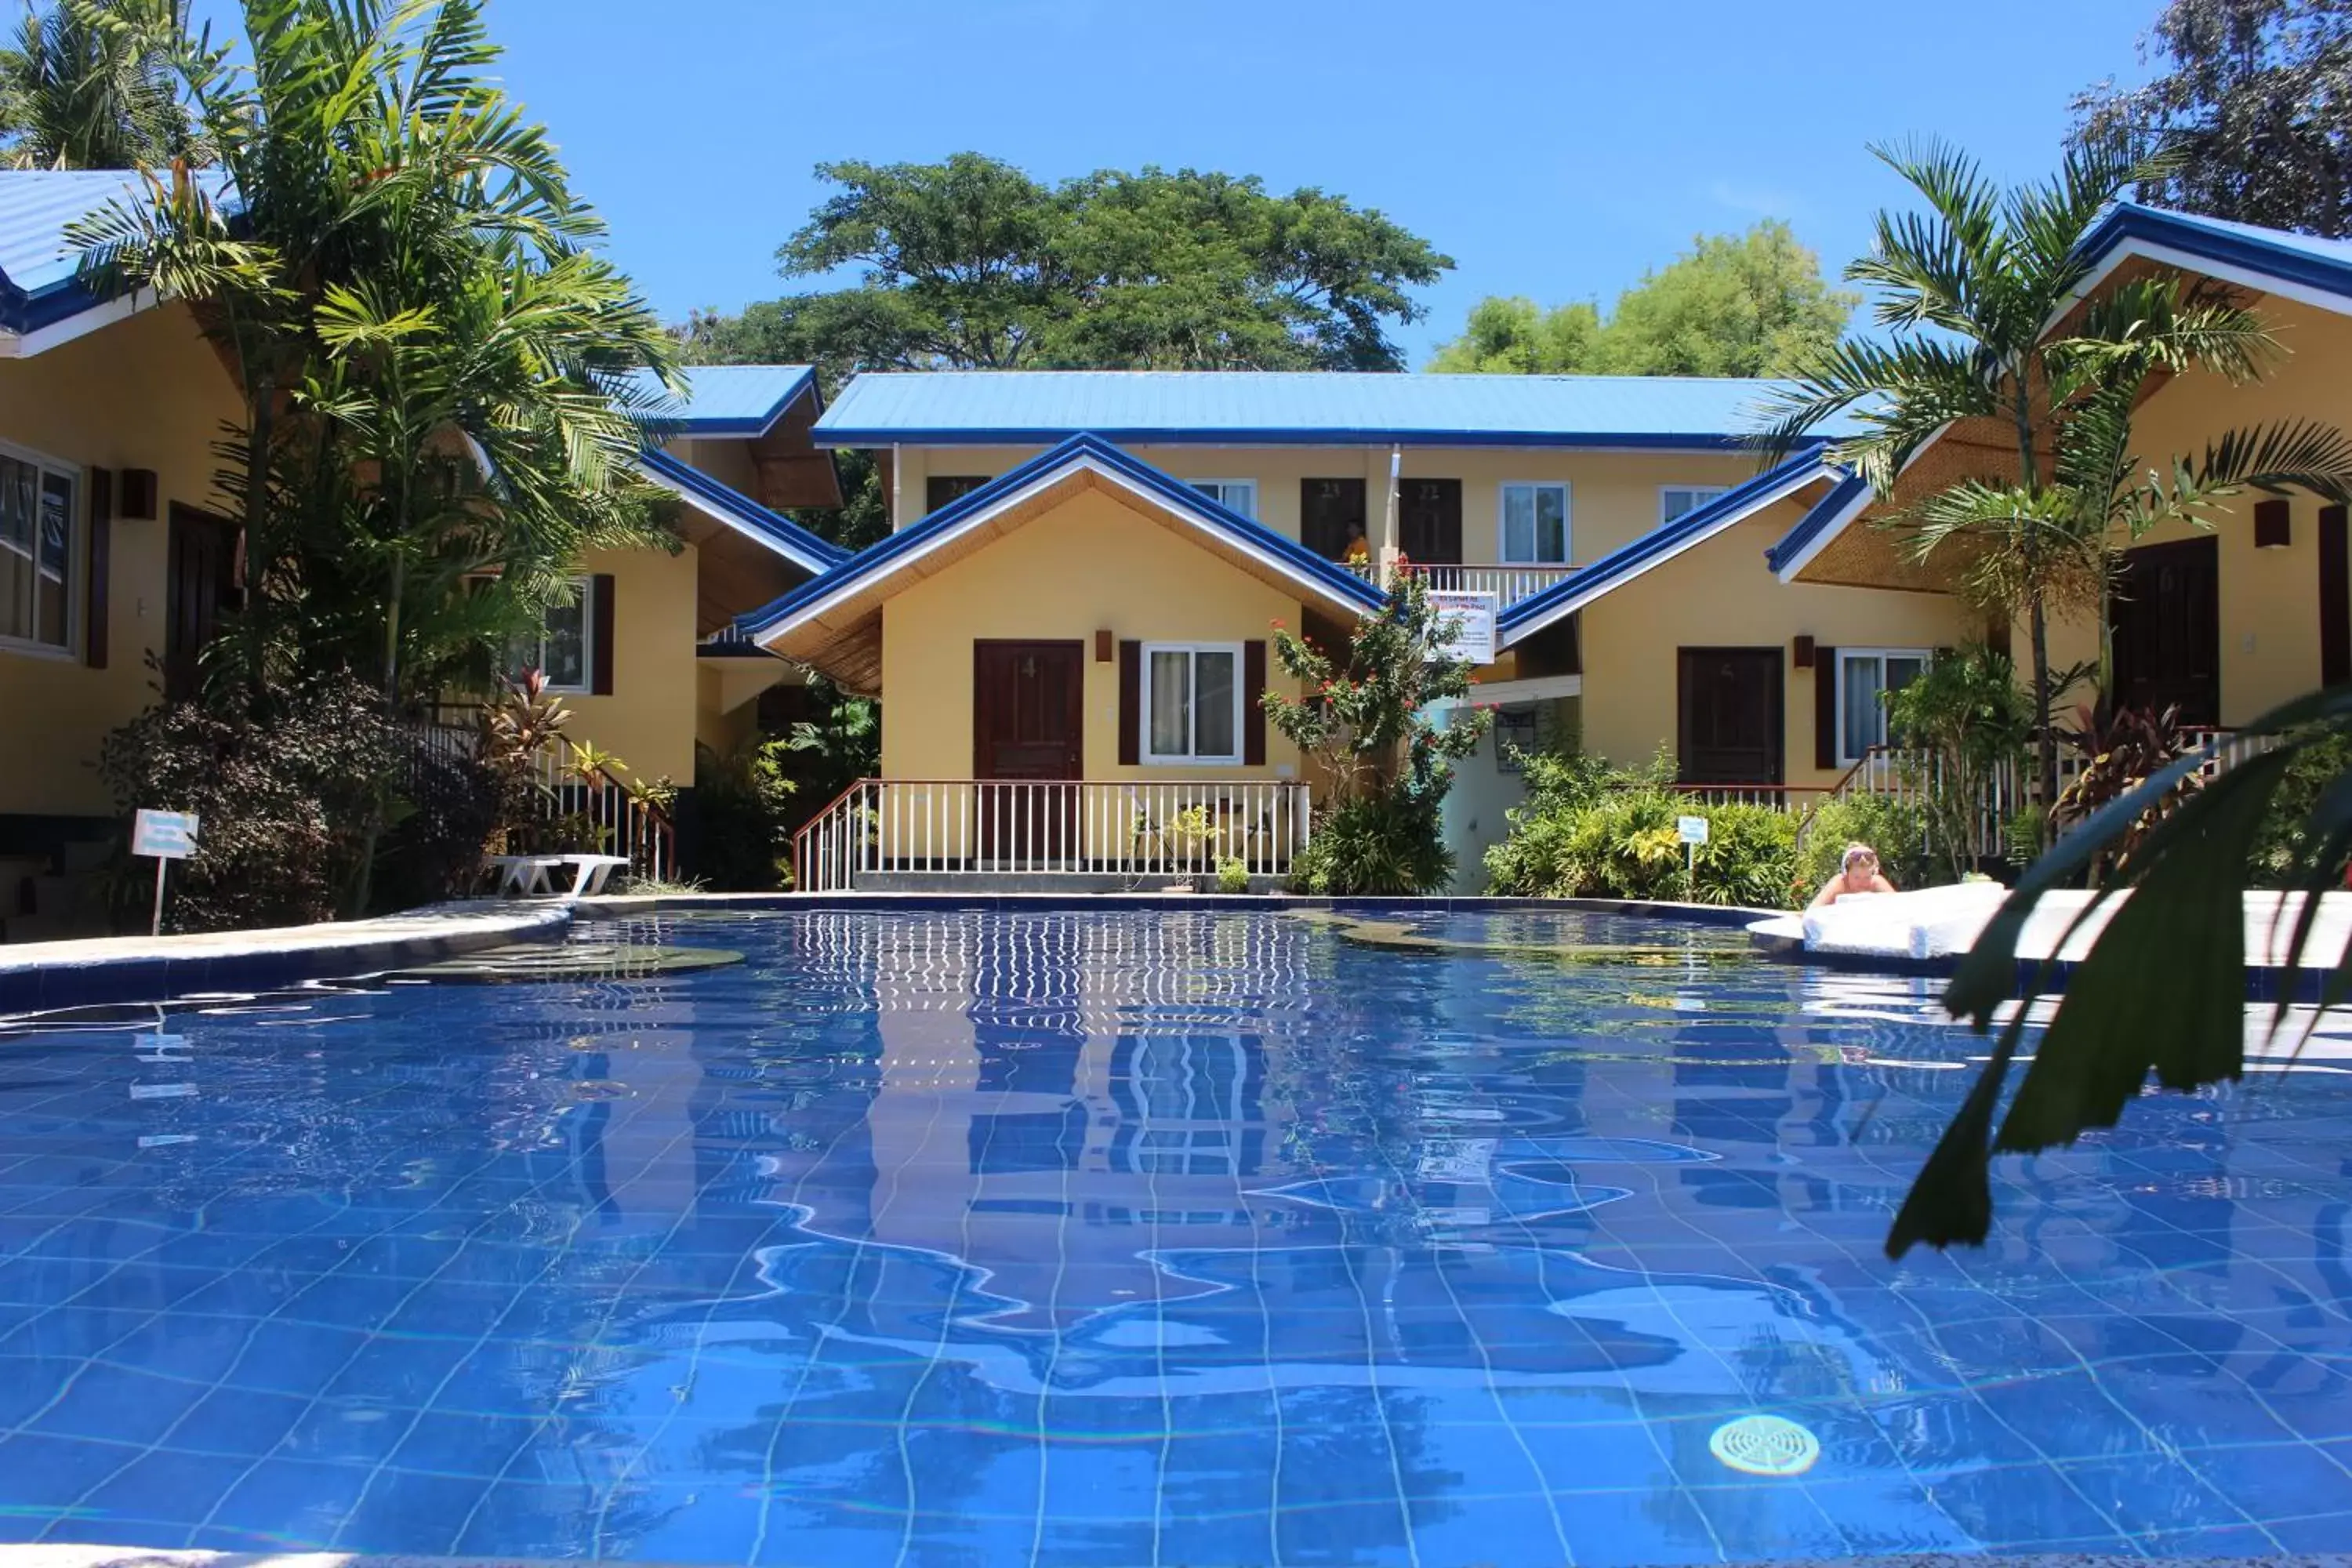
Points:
x=1857 y=873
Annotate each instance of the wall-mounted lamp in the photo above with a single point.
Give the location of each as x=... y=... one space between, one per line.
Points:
x=1801 y=653
x=134 y=494
x=2272 y=529
x=1105 y=647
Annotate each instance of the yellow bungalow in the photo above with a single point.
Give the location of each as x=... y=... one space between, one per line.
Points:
x=111 y=562
x=1068 y=625
x=2222 y=623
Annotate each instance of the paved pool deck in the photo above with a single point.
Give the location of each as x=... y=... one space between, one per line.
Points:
x=41 y=976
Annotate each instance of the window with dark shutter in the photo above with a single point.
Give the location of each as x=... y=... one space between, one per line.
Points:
x=1825 y=707
x=599 y=637
x=2335 y=598
x=1130 y=703
x=1254 y=703
x=100 y=566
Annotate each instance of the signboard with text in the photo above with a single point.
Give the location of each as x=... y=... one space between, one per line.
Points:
x=1472 y=617
x=164 y=834
x=1691 y=829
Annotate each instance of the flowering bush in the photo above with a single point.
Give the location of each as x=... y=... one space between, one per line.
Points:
x=1385 y=766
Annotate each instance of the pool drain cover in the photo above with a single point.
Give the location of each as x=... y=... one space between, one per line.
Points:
x=1765 y=1446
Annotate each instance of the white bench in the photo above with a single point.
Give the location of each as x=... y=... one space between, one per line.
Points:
x=531 y=875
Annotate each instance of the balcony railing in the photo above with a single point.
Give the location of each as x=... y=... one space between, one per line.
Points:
x=624 y=822
x=1509 y=582
x=971 y=827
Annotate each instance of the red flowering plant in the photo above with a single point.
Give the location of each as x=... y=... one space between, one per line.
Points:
x=1384 y=728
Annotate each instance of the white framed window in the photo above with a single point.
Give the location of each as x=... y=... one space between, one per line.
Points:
x=1192 y=702
x=40 y=551
x=1674 y=501
x=1865 y=677
x=566 y=650
x=1234 y=495
x=1534 y=523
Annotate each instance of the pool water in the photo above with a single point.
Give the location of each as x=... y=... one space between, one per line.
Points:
x=1143 y=1237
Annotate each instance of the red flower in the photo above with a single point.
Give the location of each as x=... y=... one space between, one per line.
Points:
x=1275 y=625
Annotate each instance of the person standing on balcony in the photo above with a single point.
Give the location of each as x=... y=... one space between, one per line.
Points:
x=1857 y=873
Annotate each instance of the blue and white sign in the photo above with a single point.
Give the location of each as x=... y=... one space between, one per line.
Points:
x=164 y=834
x=1471 y=621
x=1691 y=829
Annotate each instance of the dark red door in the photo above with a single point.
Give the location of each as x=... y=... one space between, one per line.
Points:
x=1429 y=520
x=2166 y=620
x=1028 y=706
x=202 y=584
x=1731 y=726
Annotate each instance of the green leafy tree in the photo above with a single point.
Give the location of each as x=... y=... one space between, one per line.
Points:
x=973 y=264
x=1364 y=727
x=1966 y=293
x=1747 y=304
x=1516 y=336
x=2255 y=97
x=90 y=84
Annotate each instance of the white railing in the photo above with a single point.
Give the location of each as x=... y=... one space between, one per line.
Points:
x=1777 y=797
x=624 y=821
x=1508 y=583
x=1163 y=831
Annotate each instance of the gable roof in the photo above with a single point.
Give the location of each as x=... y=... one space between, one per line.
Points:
x=872 y=568
x=2303 y=267
x=722 y=400
x=42 y=299
x=740 y=512
x=1294 y=409
x=1662 y=544
x=1824 y=522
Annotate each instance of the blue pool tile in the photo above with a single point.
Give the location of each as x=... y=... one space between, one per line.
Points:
x=163 y=1487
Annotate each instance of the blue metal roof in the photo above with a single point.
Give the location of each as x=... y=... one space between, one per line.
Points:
x=38 y=267
x=1832 y=509
x=880 y=558
x=1295 y=407
x=721 y=399
x=742 y=513
x=1660 y=544
x=2275 y=254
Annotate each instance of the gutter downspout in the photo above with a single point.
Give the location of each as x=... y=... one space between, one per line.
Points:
x=1389 y=549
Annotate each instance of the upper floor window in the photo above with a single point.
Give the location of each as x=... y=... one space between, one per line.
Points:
x=1234 y=495
x=938 y=489
x=1193 y=692
x=1535 y=524
x=1865 y=676
x=566 y=650
x=40 y=525
x=1675 y=500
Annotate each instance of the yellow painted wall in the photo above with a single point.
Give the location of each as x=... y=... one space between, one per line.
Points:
x=1721 y=595
x=2269 y=598
x=1089 y=564
x=1613 y=497
x=145 y=392
x=649 y=719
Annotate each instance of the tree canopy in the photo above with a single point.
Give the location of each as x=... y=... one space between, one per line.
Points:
x=973 y=264
x=2254 y=100
x=1746 y=304
x=91 y=84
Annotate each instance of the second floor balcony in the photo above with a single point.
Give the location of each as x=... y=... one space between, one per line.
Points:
x=1509 y=581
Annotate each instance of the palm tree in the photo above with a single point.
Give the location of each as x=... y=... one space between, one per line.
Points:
x=90 y=85
x=1979 y=300
x=430 y=360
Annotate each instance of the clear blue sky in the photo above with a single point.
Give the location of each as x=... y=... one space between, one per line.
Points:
x=1556 y=150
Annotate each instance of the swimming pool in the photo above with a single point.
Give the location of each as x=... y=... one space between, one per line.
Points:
x=1143 y=1237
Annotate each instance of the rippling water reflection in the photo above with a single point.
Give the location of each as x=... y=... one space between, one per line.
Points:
x=1169 y=1238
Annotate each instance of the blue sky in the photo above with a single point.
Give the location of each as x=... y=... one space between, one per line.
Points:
x=1556 y=150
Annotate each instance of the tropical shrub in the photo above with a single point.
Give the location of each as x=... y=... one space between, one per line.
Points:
x=1375 y=844
x=1587 y=831
x=1233 y=874
x=285 y=785
x=1363 y=725
x=743 y=816
x=2284 y=849
x=2121 y=750
x=1966 y=709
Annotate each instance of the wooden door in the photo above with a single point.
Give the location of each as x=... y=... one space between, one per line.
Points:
x=1730 y=726
x=1429 y=520
x=2166 y=612
x=1028 y=711
x=1330 y=516
x=201 y=583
